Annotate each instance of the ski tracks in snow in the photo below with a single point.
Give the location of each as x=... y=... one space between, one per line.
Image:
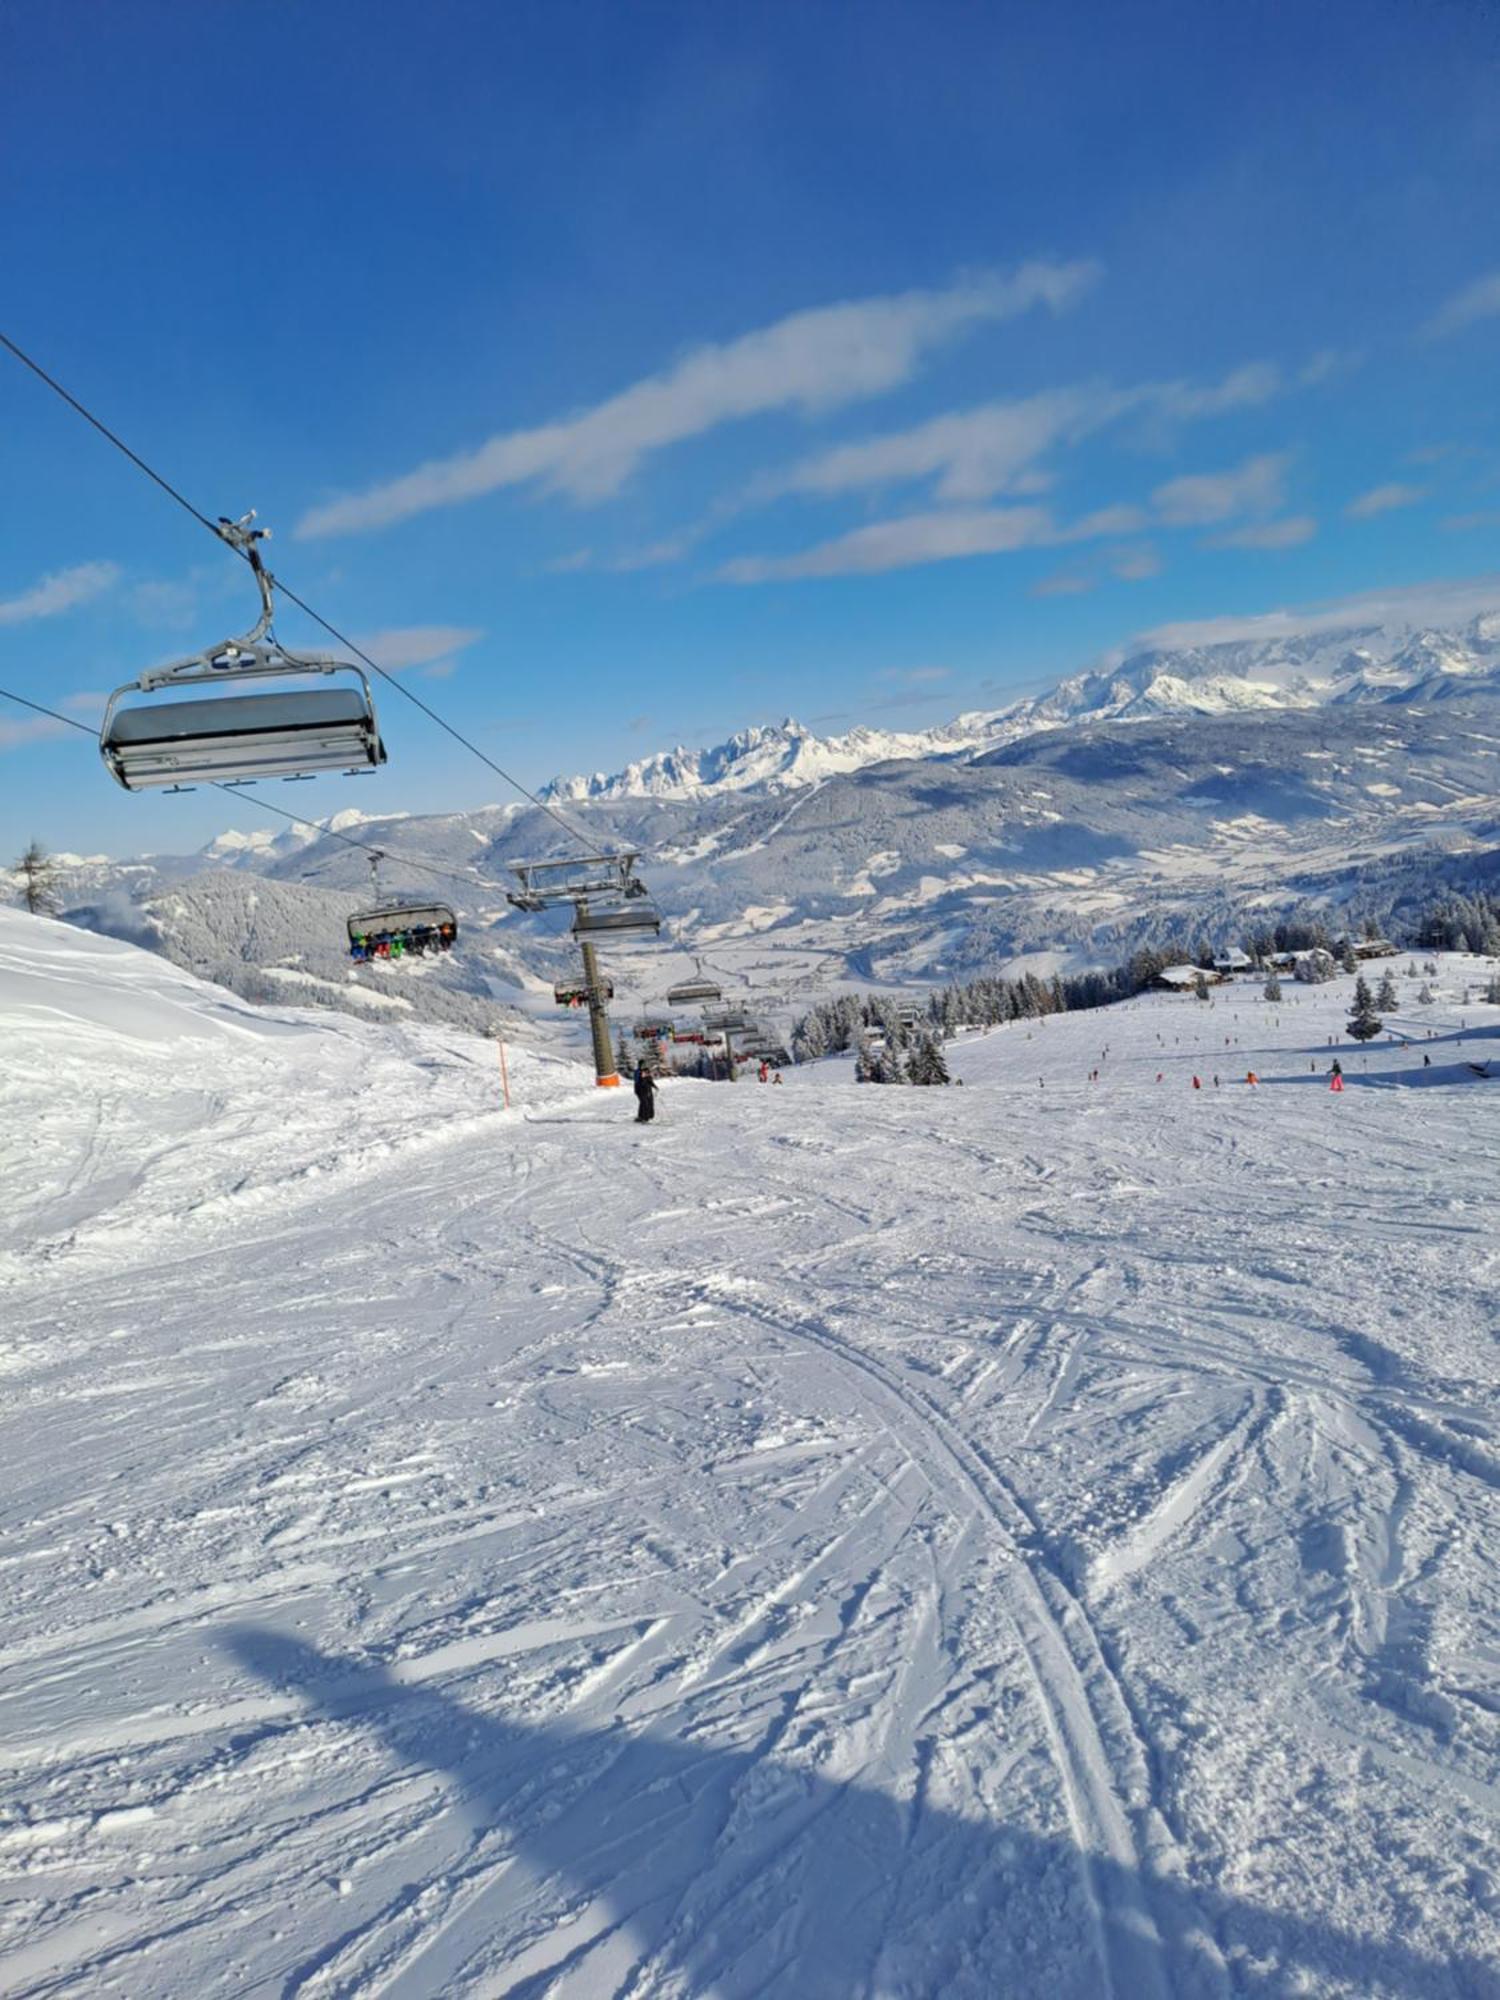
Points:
x=799 y=1550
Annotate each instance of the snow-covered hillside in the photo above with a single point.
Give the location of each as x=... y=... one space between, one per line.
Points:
x=1032 y=1538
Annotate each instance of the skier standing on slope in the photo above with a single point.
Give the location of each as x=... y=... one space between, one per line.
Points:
x=645 y=1095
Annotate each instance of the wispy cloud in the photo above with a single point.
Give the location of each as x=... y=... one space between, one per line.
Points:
x=1382 y=499
x=974 y=454
x=88 y=701
x=1439 y=603
x=33 y=729
x=1483 y=517
x=948 y=535
x=811 y=361
x=430 y=646
x=914 y=677
x=1288 y=533
x=900 y=544
x=1481 y=300
x=1067 y=583
x=671 y=549
x=1202 y=498
x=1136 y=565
x=59 y=592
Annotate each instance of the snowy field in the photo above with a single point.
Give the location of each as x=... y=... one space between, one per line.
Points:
x=1030 y=1539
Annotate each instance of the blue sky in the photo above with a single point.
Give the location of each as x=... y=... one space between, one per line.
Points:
x=626 y=374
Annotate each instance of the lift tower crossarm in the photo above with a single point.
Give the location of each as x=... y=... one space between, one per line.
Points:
x=541 y=884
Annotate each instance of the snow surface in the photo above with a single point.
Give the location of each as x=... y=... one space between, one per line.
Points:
x=1033 y=1538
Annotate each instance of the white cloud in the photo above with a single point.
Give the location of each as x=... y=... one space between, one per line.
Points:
x=949 y=534
x=1481 y=300
x=655 y=556
x=1105 y=521
x=1417 y=604
x=1484 y=517
x=810 y=361
x=35 y=729
x=402 y=646
x=972 y=455
x=903 y=543
x=1381 y=500
x=1135 y=565
x=1201 y=498
x=1064 y=584
x=1287 y=533
x=59 y=592
x=915 y=677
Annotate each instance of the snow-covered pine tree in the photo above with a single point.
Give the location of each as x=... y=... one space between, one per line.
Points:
x=929 y=1065
x=865 y=1061
x=1424 y=998
x=1272 y=987
x=1364 y=1024
x=1492 y=991
x=809 y=1039
x=1349 y=962
x=38 y=874
x=1385 y=997
x=1200 y=987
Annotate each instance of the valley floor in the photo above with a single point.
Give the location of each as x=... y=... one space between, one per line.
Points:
x=1021 y=1539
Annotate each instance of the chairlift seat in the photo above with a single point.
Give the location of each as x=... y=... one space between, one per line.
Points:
x=692 y=990
x=639 y=916
x=228 y=738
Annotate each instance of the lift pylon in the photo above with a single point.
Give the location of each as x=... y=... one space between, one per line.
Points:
x=608 y=896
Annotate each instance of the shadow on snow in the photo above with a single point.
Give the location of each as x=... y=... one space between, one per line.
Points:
x=721 y=1868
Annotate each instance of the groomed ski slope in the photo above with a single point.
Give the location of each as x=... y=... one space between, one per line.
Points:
x=1025 y=1539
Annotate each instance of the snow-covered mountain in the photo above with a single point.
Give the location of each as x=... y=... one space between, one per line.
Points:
x=769 y=758
x=1383 y=662
x=1180 y=794
x=1351 y=663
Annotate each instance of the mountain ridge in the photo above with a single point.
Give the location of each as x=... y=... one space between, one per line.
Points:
x=1358 y=663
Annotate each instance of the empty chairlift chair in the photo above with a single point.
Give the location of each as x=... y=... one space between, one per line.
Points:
x=691 y=991
x=231 y=736
x=615 y=919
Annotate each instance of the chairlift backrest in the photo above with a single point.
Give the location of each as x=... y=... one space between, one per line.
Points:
x=637 y=916
x=230 y=739
x=397 y=917
x=693 y=990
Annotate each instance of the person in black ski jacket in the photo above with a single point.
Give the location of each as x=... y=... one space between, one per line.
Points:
x=645 y=1095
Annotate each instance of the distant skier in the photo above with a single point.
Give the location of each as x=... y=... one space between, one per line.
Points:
x=1336 y=1081
x=645 y=1095
x=1337 y=1068
x=765 y=1072
x=1197 y=1083
x=1426 y=1061
x=1251 y=1077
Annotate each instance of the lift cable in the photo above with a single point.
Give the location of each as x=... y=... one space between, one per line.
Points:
x=318 y=619
x=315 y=826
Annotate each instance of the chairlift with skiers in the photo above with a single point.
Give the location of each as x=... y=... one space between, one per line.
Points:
x=401 y=930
